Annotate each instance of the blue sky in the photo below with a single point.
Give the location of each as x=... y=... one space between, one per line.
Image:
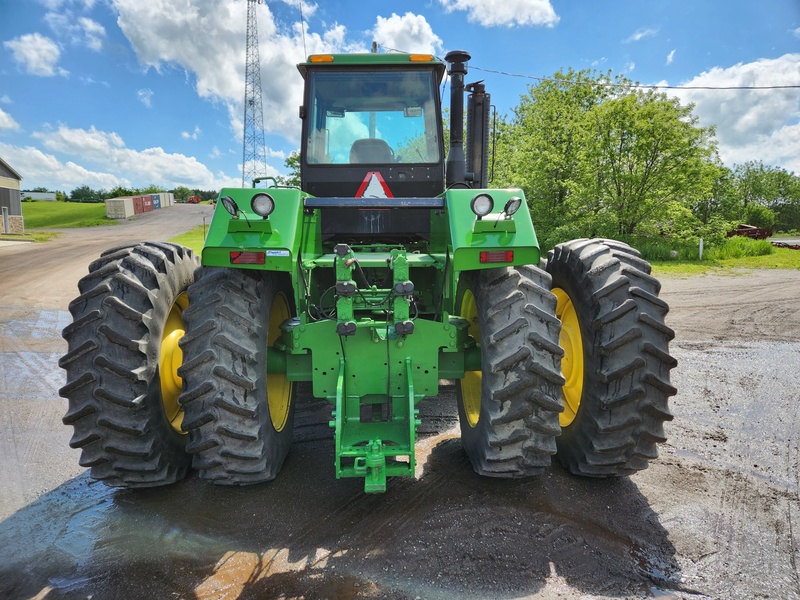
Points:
x=134 y=92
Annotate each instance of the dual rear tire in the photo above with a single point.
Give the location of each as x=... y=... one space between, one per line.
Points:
x=166 y=369
x=582 y=372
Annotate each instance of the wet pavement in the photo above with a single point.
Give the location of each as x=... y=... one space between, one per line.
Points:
x=715 y=516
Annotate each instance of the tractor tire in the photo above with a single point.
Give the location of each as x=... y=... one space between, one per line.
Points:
x=239 y=418
x=122 y=383
x=616 y=360
x=509 y=410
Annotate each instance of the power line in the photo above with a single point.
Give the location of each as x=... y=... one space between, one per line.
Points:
x=638 y=85
x=625 y=85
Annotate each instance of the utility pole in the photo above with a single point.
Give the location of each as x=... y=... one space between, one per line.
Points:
x=254 y=153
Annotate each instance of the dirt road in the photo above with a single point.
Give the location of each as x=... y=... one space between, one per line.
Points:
x=716 y=516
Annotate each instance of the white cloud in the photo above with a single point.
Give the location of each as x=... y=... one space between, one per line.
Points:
x=207 y=40
x=5 y=99
x=492 y=13
x=191 y=136
x=752 y=124
x=409 y=33
x=40 y=169
x=641 y=34
x=38 y=54
x=796 y=32
x=111 y=162
x=76 y=30
x=145 y=96
x=670 y=57
x=93 y=33
x=7 y=121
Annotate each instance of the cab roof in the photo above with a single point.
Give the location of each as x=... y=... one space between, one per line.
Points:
x=336 y=61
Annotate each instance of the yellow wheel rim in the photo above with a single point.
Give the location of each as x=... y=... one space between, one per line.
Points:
x=279 y=389
x=471 y=383
x=170 y=358
x=572 y=364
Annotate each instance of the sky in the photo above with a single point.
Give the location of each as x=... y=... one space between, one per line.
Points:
x=130 y=93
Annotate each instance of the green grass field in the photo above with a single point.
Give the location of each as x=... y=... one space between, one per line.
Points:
x=64 y=214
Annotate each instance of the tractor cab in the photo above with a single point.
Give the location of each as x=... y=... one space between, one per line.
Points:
x=372 y=130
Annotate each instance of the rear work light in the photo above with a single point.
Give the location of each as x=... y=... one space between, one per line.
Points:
x=247 y=258
x=500 y=256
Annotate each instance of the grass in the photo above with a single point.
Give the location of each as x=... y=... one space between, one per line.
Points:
x=31 y=236
x=780 y=258
x=193 y=238
x=64 y=214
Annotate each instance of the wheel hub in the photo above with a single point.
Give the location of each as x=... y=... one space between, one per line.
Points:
x=571 y=342
x=170 y=358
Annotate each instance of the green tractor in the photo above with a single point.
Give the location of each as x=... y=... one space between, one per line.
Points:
x=392 y=268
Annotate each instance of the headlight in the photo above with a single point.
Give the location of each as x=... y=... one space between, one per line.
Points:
x=482 y=205
x=262 y=205
x=230 y=205
x=512 y=205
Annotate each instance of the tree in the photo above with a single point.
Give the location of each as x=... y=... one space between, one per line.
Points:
x=770 y=187
x=292 y=163
x=722 y=202
x=644 y=150
x=760 y=216
x=596 y=157
x=120 y=192
x=539 y=149
x=181 y=193
x=84 y=193
x=151 y=189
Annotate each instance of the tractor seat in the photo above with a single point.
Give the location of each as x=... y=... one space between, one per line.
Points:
x=371 y=150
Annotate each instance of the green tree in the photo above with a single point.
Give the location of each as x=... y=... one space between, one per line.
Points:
x=540 y=148
x=760 y=216
x=182 y=193
x=723 y=201
x=770 y=187
x=84 y=193
x=120 y=192
x=151 y=189
x=643 y=151
x=292 y=163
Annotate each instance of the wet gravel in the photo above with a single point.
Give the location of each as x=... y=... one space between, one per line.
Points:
x=716 y=516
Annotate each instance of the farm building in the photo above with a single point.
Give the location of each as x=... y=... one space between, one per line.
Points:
x=10 y=202
x=39 y=196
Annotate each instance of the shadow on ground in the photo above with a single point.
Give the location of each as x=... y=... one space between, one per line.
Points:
x=448 y=534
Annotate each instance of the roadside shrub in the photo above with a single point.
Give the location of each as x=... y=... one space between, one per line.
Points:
x=664 y=248
x=739 y=247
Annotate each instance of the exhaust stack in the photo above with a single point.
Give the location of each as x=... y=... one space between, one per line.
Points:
x=456 y=167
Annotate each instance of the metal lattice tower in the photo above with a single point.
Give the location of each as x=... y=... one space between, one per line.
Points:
x=254 y=154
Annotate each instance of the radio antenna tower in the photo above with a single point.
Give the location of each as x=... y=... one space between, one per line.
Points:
x=254 y=154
